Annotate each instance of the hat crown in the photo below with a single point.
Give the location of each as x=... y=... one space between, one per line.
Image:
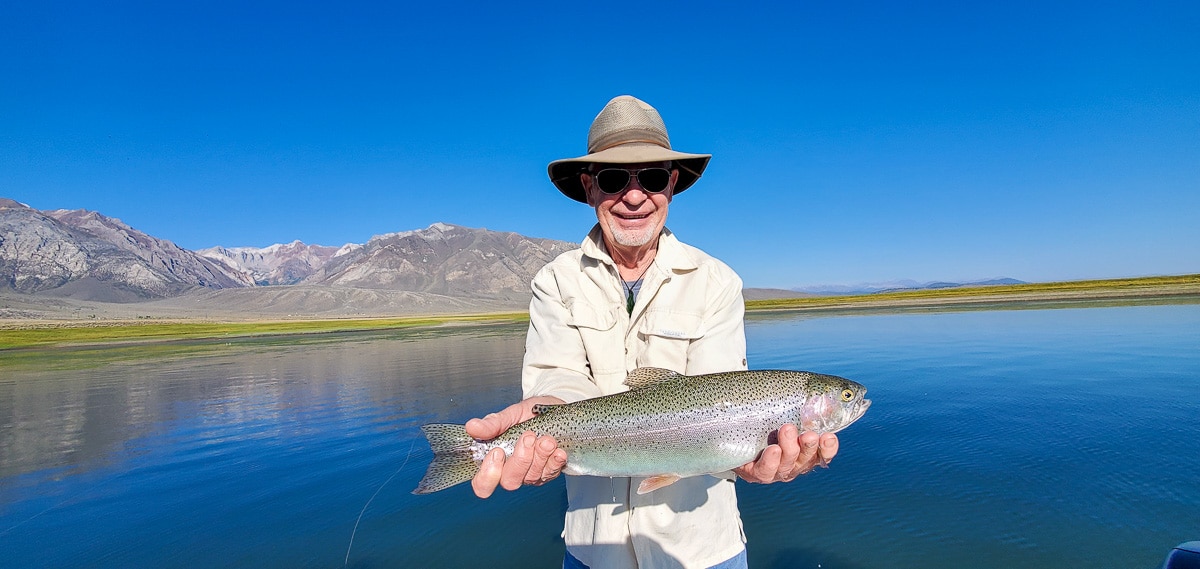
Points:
x=625 y=120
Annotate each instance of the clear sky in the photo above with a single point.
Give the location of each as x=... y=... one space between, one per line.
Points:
x=852 y=142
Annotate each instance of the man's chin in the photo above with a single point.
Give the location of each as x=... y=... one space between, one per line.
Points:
x=633 y=238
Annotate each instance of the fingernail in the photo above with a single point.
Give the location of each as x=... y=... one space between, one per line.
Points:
x=527 y=441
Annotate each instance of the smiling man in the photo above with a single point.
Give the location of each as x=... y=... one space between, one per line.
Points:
x=634 y=296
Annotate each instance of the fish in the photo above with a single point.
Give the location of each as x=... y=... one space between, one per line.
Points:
x=667 y=426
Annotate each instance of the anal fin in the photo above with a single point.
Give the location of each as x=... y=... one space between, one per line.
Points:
x=655 y=482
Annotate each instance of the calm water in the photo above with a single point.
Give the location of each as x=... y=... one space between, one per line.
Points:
x=1030 y=438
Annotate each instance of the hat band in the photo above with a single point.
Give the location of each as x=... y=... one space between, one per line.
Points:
x=624 y=142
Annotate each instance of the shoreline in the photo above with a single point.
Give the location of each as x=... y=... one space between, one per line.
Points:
x=18 y=335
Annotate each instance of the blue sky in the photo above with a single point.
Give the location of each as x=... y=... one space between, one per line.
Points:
x=852 y=142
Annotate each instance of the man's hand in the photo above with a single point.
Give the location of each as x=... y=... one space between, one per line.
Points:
x=793 y=455
x=535 y=460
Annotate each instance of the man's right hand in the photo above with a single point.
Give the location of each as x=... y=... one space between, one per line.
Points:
x=535 y=460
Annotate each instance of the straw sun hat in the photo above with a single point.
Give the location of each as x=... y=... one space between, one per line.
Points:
x=627 y=131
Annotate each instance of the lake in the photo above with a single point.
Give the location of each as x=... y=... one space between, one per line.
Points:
x=1001 y=438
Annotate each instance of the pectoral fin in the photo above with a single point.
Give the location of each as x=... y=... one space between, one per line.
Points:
x=655 y=482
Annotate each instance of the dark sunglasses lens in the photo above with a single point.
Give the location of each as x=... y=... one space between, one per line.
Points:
x=654 y=180
x=612 y=181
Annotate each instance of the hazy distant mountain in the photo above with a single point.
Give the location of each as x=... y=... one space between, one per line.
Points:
x=85 y=255
x=750 y=293
x=446 y=260
x=277 y=264
x=898 y=285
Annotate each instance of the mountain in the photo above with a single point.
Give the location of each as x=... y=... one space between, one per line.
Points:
x=84 y=255
x=446 y=260
x=899 y=285
x=277 y=264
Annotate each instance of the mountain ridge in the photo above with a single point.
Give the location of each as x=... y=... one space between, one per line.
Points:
x=87 y=256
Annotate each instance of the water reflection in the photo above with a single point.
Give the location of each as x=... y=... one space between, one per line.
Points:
x=65 y=420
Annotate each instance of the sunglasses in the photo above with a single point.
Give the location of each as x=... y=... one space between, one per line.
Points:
x=614 y=180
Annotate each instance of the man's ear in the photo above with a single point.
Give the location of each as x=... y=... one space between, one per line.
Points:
x=674 y=180
x=585 y=179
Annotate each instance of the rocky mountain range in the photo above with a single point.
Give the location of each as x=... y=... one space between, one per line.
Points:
x=83 y=255
x=279 y=264
x=86 y=255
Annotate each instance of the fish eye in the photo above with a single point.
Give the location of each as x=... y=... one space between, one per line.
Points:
x=847 y=394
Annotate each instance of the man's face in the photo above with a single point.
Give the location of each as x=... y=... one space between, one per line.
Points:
x=632 y=217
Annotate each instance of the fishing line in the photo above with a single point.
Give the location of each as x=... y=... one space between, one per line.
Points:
x=346 y=562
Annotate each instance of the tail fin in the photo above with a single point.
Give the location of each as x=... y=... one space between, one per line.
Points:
x=453 y=461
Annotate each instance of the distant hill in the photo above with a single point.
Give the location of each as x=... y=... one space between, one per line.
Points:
x=444 y=259
x=277 y=264
x=750 y=293
x=893 y=286
x=85 y=255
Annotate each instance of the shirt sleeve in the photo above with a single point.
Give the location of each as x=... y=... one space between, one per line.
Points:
x=555 y=359
x=722 y=347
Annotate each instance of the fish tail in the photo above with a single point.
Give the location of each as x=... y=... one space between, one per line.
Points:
x=453 y=458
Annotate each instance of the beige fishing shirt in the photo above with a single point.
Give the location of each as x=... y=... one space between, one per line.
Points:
x=581 y=344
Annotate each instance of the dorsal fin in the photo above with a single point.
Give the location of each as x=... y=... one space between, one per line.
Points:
x=644 y=376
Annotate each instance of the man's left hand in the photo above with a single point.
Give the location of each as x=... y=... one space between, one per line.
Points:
x=794 y=454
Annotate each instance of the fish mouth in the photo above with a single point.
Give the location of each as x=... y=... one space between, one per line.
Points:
x=851 y=413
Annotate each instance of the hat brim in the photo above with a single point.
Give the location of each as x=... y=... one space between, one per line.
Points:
x=565 y=173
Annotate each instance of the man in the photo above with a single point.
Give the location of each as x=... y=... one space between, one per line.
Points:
x=633 y=295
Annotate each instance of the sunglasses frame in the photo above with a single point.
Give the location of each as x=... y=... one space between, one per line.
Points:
x=631 y=175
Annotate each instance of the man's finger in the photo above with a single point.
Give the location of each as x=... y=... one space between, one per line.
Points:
x=768 y=464
x=485 y=481
x=517 y=465
x=555 y=464
x=543 y=447
x=490 y=426
x=808 y=451
x=789 y=444
x=828 y=448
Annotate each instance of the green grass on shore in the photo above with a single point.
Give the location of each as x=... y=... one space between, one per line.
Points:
x=73 y=333
x=1079 y=290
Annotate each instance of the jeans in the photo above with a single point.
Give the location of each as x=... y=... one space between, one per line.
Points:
x=736 y=562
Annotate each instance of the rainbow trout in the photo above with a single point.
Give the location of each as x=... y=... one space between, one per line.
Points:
x=666 y=427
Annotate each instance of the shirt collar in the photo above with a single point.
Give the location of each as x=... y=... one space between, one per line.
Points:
x=672 y=256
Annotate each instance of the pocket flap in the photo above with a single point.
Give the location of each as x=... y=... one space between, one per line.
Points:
x=587 y=316
x=667 y=324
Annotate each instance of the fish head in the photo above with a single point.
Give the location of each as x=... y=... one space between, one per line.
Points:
x=833 y=403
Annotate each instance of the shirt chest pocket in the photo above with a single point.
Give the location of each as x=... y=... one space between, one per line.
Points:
x=603 y=341
x=665 y=338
